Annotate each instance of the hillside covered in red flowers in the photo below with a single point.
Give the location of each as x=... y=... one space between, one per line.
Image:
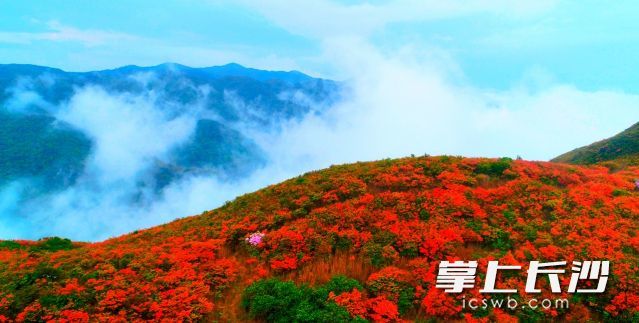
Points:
x=359 y=242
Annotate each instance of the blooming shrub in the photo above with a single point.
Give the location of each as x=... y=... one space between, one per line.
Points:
x=439 y=304
x=393 y=284
x=255 y=239
x=377 y=309
x=385 y=223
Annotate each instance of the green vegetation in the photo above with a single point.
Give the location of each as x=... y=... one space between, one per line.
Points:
x=10 y=245
x=624 y=145
x=54 y=244
x=273 y=300
x=214 y=144
x=494 y=168
x=48 y=245
x=35 y=145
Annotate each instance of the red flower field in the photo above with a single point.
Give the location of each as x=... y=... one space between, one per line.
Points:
x=350 y=243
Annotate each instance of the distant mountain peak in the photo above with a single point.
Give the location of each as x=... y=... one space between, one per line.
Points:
x=233 y=65
x=172 y=65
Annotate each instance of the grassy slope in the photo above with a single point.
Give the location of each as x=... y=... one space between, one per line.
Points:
x=623 y=147
x=393 y=218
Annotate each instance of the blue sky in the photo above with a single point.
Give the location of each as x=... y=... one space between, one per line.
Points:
x=493 y=44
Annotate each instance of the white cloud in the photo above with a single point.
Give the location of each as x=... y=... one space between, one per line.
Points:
x=129 y=132
x=401 y=105
x=57 y=32
x=326 y=18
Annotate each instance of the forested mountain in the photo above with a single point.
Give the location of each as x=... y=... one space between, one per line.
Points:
x=39 y=144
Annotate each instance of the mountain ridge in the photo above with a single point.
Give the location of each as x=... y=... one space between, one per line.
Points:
x=351 y=242
x=623 y=147
x=230 y=69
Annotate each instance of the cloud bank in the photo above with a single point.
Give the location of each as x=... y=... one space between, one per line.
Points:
x=403 y=104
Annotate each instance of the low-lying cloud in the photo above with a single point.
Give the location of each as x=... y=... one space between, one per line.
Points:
x=396 y=105
x=401 y=105
x=128 y=131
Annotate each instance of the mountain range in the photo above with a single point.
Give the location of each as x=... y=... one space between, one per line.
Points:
x=101 y=132
x=34 y=144
x=351 y=243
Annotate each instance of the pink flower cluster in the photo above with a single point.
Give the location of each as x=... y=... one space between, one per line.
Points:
x=255 y=238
